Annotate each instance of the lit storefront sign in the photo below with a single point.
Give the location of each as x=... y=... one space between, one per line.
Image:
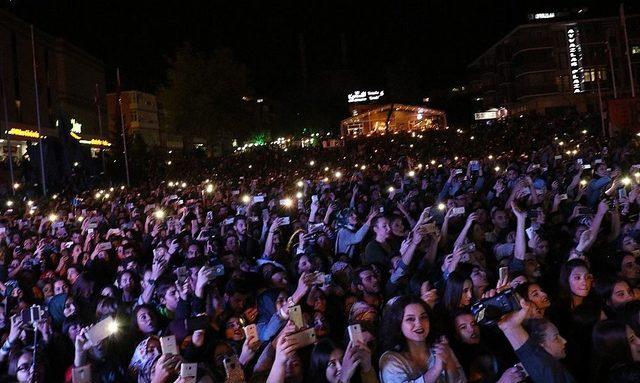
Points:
x=491 y=114
x=95 y=142
x=76 y=127
x=365 y=95
x=575 y=59
x=23 y=133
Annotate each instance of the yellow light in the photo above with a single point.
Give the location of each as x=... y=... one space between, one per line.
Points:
x=159 y=214
x=170 y=184
x=626 y=181
x=9 y=203
x=16 y=185
x=584 y=131
x=338 y=174
x=311 y=163
x=29 y=203
x=490 y=157
x=433 y=162
x=441 y=206
x=75 y=164
x=184 y=184
x=23 y=132
x=568 y=152
x=363 y=167
x=97 y=195
x=298 y=195
x=497 y=168
x=391 y=189
x=111 y=189
x=574 y=152
x=455 y=158
x=561 y=143
x=106 y=195
x=325 y=179
x=326 y=168
x=300 y=184
x=412 y=173
x=168 y=162
x=419 y=166
x=80 y=218
x=583 y=182
x=209 y=188
x=287 y=202
x=122 y=187
x=55 y=196
x=53 y=217
x=246 y=199
x=636 y=174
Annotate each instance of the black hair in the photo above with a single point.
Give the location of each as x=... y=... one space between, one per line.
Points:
x=609 y=346
x=453 y=291
x=320 y=357
x=392 y=317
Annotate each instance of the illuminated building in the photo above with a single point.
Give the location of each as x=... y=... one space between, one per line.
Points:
x=140 y=114
x=391 y=118
x=67 y=78
x=555 y=63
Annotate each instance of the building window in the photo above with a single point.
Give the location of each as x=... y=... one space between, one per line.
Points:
x=635 y=49
x=590 y=75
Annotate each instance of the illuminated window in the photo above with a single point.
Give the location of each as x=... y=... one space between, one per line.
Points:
x=635 y=49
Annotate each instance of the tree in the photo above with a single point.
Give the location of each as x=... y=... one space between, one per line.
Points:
x=204 y=95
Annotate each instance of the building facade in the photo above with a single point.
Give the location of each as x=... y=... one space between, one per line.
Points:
x=68 y=81
x=556 y=64
x=140 y=115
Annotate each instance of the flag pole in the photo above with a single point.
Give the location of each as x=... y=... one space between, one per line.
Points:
x=124 y=138
x=626 y=44
x=104 y=166
x=6 y=126
x=35 y=80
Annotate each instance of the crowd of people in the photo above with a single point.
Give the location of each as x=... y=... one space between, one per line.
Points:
x=431 y=257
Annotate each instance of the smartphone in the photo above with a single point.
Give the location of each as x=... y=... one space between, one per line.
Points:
x=258 y=198
x=314 y=198
x=587 y=166
x=503 y=273
x=168 y=345
x=319 y=278
x=200 y=322
x=189 y=372
x=474 y=165
x=105 y=246
x=579 y=161
x=295 y=314
x=530 y=232
x=101 y=330
x=563 y=197
x=622 y=193
x=286 y=220
x=458 y=171
x=235 y=192
x=558 y=157
x=381 y=210
x=355 y=333
x=209 y=215
x=598 y=161
x=520 y=368
x=81 y=374
x=89 y=231
x=305 y=337
x=228 y=221
x=251 y=331
x=233 y=370
x=183 y=275
x=457 y=211
x=218 y=270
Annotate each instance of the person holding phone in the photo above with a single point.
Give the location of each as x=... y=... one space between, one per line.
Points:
x=332 y=364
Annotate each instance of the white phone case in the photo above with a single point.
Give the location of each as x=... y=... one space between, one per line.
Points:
x=169 y=345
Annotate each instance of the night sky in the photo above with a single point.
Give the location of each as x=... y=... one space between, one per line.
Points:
x=407 y=48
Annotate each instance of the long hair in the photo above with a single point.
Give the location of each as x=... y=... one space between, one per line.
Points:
x=565 y=295
x=453 y=291
x=320 y=359
x=610 y=346
x=391 y=329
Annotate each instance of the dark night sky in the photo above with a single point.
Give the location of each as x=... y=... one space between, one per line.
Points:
x=414 y=45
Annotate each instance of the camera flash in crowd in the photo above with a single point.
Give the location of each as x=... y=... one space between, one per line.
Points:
x=184 y=185
x=391 y=189
x=287 y=202
x=298 y=195
x=311 y=163
x=159 y=214
x=9 y=203
x=246 y=199
x=326 y=168
x=29 y=203
x=433 y=162
x=80 y=218
x=16 y=185
x=338 y=174
x=363 y=167
x=441 y=206
x=583 y=182
x=300 y=184
x=122 y=187
x=497 y=168
x=636 y=174
x=209 y=188
x=626 y=181
x=490 y=157
x=170 y=184
x=53 y=217
x=412 y=173
x=55 y=196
